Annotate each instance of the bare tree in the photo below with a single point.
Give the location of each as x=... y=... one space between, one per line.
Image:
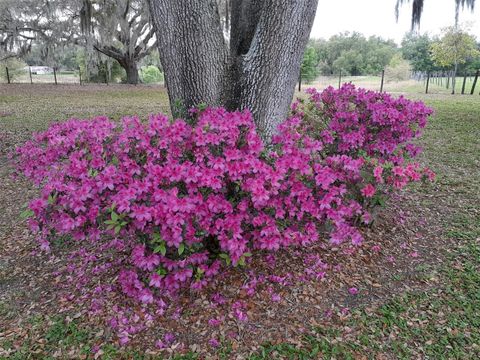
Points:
x=254 y=64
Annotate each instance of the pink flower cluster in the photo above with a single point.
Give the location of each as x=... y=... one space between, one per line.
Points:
x=190 y=197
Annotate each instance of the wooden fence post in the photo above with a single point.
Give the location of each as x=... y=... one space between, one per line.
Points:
x=30 y=73
x=80 y=75
x=8 y=75
x=428 y=80
x=464 y=81
x=474 y=82
x=55 y=74
x=381 y=84
x=340 y=79
x=300 y=81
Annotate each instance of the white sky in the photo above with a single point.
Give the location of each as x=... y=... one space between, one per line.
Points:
x=377 y=17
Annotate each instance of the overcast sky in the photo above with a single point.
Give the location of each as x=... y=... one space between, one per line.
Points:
x=377 y=17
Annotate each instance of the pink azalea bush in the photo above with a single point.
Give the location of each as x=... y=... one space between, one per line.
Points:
x=184 y=198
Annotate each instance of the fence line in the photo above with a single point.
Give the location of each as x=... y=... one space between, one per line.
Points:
x=55 y=77
x=437 y=78
x=445 y=79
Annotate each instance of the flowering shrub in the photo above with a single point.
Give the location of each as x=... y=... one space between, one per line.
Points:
x=183 y=198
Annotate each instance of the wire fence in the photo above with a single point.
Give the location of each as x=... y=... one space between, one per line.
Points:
x=32 y=75
x=465 y=84
x=413 y=82
x=46 y=75
x=409 y=82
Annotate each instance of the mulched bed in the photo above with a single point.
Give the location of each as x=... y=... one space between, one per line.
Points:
x=407 y=233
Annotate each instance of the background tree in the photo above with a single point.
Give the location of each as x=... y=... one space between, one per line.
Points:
x=353 y=53
x=120 y=29
x=417 y=50
x=454 y=48
x=48 y=23
x=398 y=69
x=308 y=69
x=255 y=67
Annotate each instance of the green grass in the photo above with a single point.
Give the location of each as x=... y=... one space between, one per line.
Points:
x=33 y=107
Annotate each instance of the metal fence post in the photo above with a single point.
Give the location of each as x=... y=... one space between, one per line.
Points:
x=8 y=75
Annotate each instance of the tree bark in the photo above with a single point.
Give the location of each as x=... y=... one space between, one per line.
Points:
x=131 y=70
x=125 y=60
x=257 y=70
x=192 y=51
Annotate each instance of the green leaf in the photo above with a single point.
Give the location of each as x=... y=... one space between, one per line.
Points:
x=181 y=248
x=156 y=237
x=114 y=216
x=117 y=229
x=247 y=254
x=162 y=249
x=199 y=274
x=27 y=213
x=161 y=271
x=241 y=261
x=226 y=257
x=52 y=199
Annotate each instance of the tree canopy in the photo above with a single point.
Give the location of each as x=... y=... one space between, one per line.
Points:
x=417 y=50
x=353 y=53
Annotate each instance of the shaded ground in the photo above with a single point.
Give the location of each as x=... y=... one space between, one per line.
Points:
x=419 y=295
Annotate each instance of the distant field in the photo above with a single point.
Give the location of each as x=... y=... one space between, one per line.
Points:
x=407 y=86
x=62 y=78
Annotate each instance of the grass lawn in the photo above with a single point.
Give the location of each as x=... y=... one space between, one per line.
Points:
x=426 y=307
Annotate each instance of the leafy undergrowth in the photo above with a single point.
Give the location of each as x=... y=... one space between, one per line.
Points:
x=418 y=297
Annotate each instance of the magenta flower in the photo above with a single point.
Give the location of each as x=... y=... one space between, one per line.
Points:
x=353 y=291
x=163 y=189
x=214 y=342
x=368 y=191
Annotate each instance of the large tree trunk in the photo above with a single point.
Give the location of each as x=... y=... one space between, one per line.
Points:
x=192 y=51
x=259 y=69
x=131 y=69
